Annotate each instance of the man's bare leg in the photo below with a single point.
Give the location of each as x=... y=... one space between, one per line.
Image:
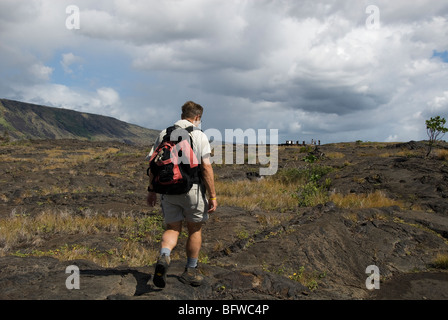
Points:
x=171 y=235
x=191 y=275
x=194 y=241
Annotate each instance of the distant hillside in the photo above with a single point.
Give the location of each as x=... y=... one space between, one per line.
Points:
x=19 y=120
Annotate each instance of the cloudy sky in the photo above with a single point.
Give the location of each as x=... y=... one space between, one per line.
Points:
x=329 y=70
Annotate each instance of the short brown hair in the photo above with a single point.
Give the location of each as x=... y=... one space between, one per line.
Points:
x=191 y=109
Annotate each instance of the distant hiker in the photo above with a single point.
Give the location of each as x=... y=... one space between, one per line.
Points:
x=192 y=205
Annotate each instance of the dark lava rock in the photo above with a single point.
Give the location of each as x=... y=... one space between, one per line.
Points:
x=310 y=253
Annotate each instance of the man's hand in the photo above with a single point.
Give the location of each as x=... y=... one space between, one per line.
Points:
x=151 y=199
x=212 y=205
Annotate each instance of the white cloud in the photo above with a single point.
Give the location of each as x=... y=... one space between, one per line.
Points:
x=105 y=101
x=108 y=96
x=41 y=72
x=308 y=67
x=69 y=59
x=439 y=103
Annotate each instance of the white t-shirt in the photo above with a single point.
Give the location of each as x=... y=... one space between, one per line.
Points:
x=201 y=145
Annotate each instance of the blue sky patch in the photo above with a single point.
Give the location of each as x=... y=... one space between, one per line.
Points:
x=441 y=54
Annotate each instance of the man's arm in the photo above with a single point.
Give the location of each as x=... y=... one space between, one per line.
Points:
x=209 y=181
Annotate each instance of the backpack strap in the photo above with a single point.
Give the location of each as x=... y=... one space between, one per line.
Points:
x=190 y=129
x=169 y=130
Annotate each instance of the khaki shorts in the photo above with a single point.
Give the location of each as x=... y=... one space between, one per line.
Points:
x=192 y=206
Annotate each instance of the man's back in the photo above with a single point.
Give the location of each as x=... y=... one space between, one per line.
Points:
x=201 y=145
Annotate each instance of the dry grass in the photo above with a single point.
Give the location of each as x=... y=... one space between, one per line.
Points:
x=335 y=155
x=441 y=261
x=265 y=194
x=402 y=153
x=130 y=231
x=287 y=190
x=57 y=158
x=442 y=154
x=376 y=199
x=131 y=253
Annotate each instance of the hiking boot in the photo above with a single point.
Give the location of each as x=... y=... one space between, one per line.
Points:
x=192 y=277
x=161 y=269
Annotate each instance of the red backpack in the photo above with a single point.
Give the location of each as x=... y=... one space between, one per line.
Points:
x=174 y=165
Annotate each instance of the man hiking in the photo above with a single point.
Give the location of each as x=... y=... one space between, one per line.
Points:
x=192 y=206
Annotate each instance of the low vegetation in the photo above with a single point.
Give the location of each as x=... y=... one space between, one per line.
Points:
x=442 y=154
x=287 y=190
x=375 y=199
x=441 y=261
x=266 y=194
x=135 y=236
x=292 y=188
